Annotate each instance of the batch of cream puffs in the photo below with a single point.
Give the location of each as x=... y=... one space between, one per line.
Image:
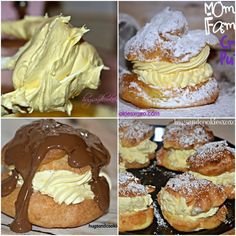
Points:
x=190 y=201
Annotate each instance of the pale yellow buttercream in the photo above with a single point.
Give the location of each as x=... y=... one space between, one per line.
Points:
x=134 y=204
x=178 y=158
x=138 y=153
x=62 y=185
x=53 y=67
x=227 y=178
x=171 y=75
x=23 y=29
x=179 y=208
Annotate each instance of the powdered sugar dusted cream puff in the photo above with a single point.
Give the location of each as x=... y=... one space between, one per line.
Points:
x=191 y=204
x=135 y=204
x=54 y=177
x=215 y=161
x=135 y=147
x=179 y=142
x=170 y=66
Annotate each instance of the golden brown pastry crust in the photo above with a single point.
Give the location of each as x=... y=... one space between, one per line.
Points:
x=198 y=194
x=182 y=137
x=45 y=212
x=131 y=134
x=229 y=191
x=133 y=190
x=130 y=186
x=136 y=220
x=134 y=132
x=212 y=160
x=186 y=136
x=204 y=223
x=132 y=142
x=144 y=96
x=162 y=160
x=204 y=198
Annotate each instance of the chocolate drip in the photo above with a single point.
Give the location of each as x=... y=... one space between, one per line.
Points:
x=9 y=184
x=28 y=149
x=98 y=186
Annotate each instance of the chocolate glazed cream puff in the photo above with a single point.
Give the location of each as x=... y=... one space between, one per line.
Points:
x=170 y=68
x=179 y=142
x=135 y=148
x=54 y=177
x=215 y=161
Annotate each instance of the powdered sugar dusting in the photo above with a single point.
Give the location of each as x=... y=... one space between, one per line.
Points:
x=124 y=177
x=125 y=123
x=135 y=130
x=178 y=97
x=187 y=184
x=223 y=107
x=188 y=135
x=210 y=152
x=168 y=31
x=130 y=185
x=160 y=221
x=215 y=147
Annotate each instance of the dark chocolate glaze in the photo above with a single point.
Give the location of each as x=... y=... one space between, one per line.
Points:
x=9 y=184
x=28 y=149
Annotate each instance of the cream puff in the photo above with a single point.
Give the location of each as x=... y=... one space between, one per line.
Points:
x=53 y=177
x=190 y=204
x=215 y=161
x=135 y=204
x=135 y=147
x=179 y=142
x=170 y=68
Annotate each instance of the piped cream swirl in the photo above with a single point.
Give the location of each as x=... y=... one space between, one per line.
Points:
x=63 y=186
x=172 y=75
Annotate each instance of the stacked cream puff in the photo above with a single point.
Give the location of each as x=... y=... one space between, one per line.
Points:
x=191 y=204
x=170 y=66
x=215 y=161
x=135 y=204
x=179 y=142
x=135 y=147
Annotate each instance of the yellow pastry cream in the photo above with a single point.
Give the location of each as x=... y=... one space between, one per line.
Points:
x=175 y=75
x=62 y=185
x=225 y=179
x=52 y=68
x=178 y=158
x=23 y=29
x=178 y=207
x=134 y=204
x=138 y=153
